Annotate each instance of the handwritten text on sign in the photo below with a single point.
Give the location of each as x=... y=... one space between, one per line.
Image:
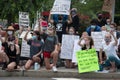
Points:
x=87 y=60
x=23 y=18
x=61 y=7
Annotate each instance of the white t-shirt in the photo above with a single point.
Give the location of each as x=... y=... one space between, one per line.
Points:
x=110 y=49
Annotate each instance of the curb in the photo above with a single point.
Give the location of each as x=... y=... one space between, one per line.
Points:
x=66 y=73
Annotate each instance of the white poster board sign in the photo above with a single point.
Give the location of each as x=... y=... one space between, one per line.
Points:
x=25 y=49
x=67 y=46
x=76 y=48
x=24 y=19
x=98 y=38
x=61 y=7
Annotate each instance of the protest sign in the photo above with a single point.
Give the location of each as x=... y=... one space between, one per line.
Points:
x=24 y=19
x=61 y=7
x=76 y=48
x=98 y=39
x=67 y=46
x=25 y=49
x=87 y=60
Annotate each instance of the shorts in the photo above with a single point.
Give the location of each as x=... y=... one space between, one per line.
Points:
x=46 y=54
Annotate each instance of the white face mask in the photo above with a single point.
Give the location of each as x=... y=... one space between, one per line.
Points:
x=10 y=32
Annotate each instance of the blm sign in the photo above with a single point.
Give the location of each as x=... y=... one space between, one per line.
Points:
x=24 y=19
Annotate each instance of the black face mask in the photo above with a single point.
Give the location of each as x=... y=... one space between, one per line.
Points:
x=107 y=40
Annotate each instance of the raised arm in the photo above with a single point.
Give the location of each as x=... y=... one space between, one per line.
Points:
x=80 y=42
x=49 y=19
x=69 y=19
x=116 y=41
x=25 y=37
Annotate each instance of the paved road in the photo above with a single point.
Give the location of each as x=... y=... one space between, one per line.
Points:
x=30 y=78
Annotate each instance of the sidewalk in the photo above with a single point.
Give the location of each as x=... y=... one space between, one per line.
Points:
x=62 y=72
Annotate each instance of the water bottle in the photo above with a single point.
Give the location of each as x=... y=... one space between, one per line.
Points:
x=36 y=66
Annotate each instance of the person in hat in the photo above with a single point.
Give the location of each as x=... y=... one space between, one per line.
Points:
x=11 y=49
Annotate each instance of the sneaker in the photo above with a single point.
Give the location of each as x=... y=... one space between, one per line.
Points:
x=54 y=69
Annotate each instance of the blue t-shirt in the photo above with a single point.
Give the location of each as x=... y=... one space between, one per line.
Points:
x=97 y=29
x=35 y=46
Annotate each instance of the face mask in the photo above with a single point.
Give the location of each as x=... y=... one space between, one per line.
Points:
x=107 y=40
x=73 y=12
x=93 y=27
x=34 y=37
x=112 y=29
x=108 y=23
x=71 y=33
x=10 y=32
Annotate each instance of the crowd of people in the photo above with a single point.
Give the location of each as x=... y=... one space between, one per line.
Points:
x=47 y=40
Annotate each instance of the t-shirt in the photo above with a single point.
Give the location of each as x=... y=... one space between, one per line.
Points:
x=35 y=46
x=110 y=49
x=50 y=42
x=61 y=26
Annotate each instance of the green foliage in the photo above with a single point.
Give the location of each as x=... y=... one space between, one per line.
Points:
x=9 y=9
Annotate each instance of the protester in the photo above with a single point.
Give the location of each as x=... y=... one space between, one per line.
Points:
x=75 y=20
x=68 y=62
x=19 y=32
x=113 y=60
x=35 y=49
x=61 y=25
x=11 y=49
x=113 y=27
x=108 y=22
x=93 y=27
x=103 y=28
x=101 y=20
x=50 y=49
x=89 y=44
x=43 y=24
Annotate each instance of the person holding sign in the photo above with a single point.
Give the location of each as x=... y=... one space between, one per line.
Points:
x=35 y=48
x=68 y=62
x=113 y=60
x=50 y=49
x=89 y=44
x=61 y=25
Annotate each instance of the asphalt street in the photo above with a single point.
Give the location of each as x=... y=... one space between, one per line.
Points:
x=38 y=78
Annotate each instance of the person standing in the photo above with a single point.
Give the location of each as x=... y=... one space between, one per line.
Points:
x=75 y=20
x=61 y=25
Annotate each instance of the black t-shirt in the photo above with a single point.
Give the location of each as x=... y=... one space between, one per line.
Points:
x=75 y=22
x=61 y=26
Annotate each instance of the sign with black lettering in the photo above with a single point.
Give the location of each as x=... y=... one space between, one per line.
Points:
x=24 y=19
x=61 y=7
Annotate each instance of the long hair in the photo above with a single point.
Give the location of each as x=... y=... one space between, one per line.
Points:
x=91 y=40
x=38 y=34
